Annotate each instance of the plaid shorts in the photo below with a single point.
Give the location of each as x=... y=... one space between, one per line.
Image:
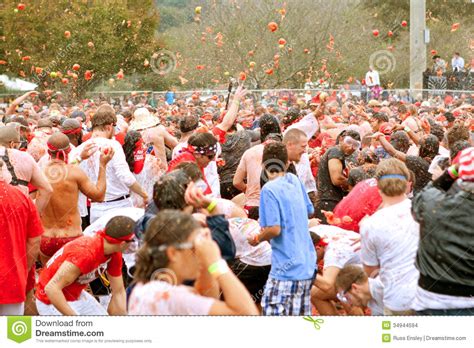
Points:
x=287 y=297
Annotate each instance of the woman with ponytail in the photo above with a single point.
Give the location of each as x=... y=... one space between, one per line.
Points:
x=145 y=167
x=176 y=249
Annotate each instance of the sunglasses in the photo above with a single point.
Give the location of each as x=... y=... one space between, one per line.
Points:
x=179 y=246
x=342 y=295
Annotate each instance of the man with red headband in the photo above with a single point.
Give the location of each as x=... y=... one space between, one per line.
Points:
x=61 y=219
x=72 y=128
x=61 y=284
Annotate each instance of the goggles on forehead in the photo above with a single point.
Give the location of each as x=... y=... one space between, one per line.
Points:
x=351 y=142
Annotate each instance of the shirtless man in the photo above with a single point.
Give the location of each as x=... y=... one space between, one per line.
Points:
x=61 y=219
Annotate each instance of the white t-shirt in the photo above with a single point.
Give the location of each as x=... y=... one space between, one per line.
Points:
x=303 y=169
x=118 y=175
x=308 y=124
x=161 y=298
x=210 y=171
x=389 y=239
x=376 y=291
x=241 y=229
x=339 y=251
x=429 y=300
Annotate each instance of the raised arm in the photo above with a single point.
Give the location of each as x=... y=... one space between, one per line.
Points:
x=389 y=148
x=231 y=115
x=18 y=101
x=96 y=193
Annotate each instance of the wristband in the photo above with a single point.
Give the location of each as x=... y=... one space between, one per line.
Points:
x=407 y=129
x=77 y=161
x=453 y=172
x=212 y=205
x=218 y=268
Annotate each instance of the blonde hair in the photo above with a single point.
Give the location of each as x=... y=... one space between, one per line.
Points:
x=392 y=187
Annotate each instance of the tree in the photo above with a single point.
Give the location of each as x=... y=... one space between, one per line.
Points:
x=107 y=39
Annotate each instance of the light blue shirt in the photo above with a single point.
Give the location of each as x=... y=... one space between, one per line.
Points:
x=285 y=203
x=457 y=63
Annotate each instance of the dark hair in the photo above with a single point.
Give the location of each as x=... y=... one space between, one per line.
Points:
x=202 y=140
x=457 y=147
x=400 y=141
x=437 y=131
x=104 y=116
x=126 y=113
x=449 y=116
x=356 y=175
x=275 y=157
x=188 y=124
x=129 y=147
x=291 y=115
x=381 y=117
x=353 y=134
x=191 y=169
x=268 y=125
x=168 y=227
x=429 y=147
x=456 y=133
x=119 y=226
x=168 y=192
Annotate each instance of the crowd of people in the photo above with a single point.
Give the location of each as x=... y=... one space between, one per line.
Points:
x=277 y=205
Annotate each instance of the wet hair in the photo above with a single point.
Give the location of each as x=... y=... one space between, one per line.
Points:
x=168 y=227
x=456 y=133
x=380 y=117
x=268 y=125
x=119 y=226
x=191 y=169
x=449 y=117
x=356 y=175
x=275 y=157
x=126 y=113
x=349 y=275
x=8 y=134
x=437 y=131
x=202 y=140
x=104 y=116
x=292 y=115
x=129 y=147
x=59 y=141
x=457 y=147
x=188 y=124
x=392 y=187
x=400 y=141
x=168 y=191
x=429 y=147
x=369 y=156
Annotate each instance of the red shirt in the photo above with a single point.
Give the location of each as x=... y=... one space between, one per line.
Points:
x=364 y=199
x=87 y=253
x=188 y=157
x=219 y=134
x=19 y=220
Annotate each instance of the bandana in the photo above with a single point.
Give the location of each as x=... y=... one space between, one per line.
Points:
x=113 y=240
x=72 y=131
x=53 y=149
x=205 y=151
x=393 y=176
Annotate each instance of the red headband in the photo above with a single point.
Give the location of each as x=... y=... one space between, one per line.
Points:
x=72 y=131
x=113 y=240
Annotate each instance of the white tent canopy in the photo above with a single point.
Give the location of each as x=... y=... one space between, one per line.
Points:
x=17 y=84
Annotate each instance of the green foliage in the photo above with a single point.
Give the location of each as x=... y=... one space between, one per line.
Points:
x=106 y=36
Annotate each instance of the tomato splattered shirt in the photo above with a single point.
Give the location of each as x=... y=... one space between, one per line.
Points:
x=87 y=253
